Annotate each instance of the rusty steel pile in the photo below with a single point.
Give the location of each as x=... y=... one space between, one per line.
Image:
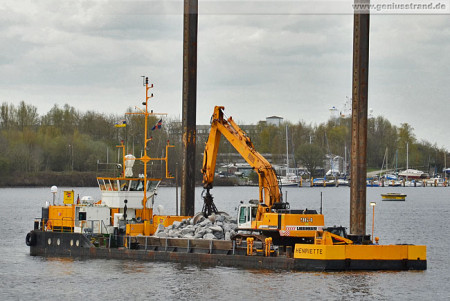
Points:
x=216 y=226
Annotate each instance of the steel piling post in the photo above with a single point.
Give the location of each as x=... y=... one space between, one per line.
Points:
x=359 y=123
x=189 y=106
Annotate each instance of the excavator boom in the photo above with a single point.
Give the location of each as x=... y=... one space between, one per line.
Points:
x=269 y=192
x=269 y=216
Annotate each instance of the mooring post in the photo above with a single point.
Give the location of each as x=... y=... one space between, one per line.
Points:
x=189 y=106
x=359 y=122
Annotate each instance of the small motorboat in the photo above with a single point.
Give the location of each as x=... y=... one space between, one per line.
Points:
x=393 y=196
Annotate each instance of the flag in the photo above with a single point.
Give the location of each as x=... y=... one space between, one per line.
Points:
x=121 y=124
x=157 y=125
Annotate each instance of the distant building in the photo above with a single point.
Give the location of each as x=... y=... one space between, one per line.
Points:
x=274 y=120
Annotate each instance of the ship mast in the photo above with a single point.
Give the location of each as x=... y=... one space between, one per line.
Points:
x=145 y=158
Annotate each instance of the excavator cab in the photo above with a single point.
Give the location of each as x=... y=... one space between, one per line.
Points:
x=246 y=214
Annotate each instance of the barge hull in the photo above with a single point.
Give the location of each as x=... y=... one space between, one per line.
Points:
x=59 y=244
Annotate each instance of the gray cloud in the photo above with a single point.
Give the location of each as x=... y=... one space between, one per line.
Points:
x=91 y=54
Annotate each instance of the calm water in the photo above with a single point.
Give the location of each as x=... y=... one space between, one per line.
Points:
x=422 y=219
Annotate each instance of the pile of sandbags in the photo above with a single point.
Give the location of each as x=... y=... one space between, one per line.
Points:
x=216 y=226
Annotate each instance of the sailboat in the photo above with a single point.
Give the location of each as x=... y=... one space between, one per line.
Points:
x=410 y=173
x=291 y=179
x=388 y=179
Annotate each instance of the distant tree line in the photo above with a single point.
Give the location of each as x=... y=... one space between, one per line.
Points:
x=65 y=140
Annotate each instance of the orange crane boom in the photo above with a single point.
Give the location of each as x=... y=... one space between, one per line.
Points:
x=269 y=191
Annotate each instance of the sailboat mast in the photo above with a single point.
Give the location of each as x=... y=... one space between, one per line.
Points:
x=396 y=161
x=287 y=151
x=387 y=159
x=345 y=158
x=407 y=156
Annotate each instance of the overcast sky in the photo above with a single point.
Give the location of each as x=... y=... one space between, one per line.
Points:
x=91 y=54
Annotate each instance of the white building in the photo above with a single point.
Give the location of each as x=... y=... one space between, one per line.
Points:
x=274 y=120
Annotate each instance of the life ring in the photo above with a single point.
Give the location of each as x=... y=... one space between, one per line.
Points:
x=30 y=240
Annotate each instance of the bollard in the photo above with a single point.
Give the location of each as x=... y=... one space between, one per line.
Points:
x=250 y=246
x=268 y=244
x=289 y=251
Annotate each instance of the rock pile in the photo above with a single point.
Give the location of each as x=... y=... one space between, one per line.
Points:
x=216 y=226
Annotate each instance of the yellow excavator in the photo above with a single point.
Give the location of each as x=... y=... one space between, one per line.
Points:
x=268 y=216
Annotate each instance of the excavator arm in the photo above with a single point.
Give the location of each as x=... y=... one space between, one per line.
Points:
x=269 y=192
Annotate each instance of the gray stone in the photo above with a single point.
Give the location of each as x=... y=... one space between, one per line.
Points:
x=187 y=230
x=219 y=235
x=216 y=228
x=226 y=227
x=161 y=234
x=201 y=232
x=160 y=228
x=212 y=217
x=209 y=236
x=205 y=222
x=200 y=219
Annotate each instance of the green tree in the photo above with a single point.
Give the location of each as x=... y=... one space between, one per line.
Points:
x=406 y=138
x=27 y=116
x=7 y=115
x=311 y=156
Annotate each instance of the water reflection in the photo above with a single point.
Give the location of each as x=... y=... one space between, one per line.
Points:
x=353 y=285
x=59 y=266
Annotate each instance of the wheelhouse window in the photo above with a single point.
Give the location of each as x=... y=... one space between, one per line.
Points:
x=101 y=184
x=124 y=185
x=243 y=215
x=114 y=185
x=137 y=185
x=254 y=212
